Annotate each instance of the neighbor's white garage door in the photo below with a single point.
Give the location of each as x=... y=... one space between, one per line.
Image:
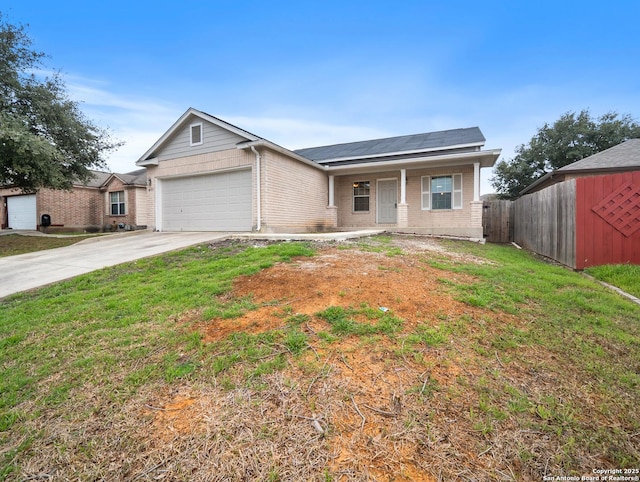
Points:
x=216 y=202
x=22 y=212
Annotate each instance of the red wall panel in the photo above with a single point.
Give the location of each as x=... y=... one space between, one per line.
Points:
x=608 y=219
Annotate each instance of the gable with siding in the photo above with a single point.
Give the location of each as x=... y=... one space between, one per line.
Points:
x=214 y=138
x=217 y=135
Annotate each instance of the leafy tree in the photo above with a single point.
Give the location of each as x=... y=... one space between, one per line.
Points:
x=569 y=139
x=45 y=140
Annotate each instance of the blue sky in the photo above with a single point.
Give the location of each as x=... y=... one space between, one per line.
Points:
x=308 y=73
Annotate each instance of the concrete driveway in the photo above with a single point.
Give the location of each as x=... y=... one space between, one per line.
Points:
x=27 y=271
x=31 y=270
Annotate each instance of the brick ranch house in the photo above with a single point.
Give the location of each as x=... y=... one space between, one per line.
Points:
x=205 y=174
x=108 y=201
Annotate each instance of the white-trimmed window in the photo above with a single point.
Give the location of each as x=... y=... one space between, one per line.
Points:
x=117 y=203
x=361 y=194
x=196 y=134
x=442 y=192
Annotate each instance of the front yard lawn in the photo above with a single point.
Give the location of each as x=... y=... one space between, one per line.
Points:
x=624 y=276
x=388 y=358
x=12 y=244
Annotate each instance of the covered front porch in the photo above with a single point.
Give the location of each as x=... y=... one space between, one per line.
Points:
x=422 y=199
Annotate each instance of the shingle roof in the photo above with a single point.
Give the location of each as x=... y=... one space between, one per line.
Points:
x=624 y=156
x=417 y=142
x=98 y=179
x=138 y=176
x=621 y=156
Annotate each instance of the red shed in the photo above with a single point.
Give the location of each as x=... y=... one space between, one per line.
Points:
x=587 y=213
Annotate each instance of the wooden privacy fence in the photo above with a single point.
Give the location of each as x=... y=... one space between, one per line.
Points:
x=545 y=222
x=583 y=222
x=497 y=221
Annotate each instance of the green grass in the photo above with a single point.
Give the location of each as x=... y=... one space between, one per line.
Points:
x=343 y=321
x=381 y=243
x=565 y=311
x=13 y=244
x=623 y=276
x=575 y=328
x=113 y=331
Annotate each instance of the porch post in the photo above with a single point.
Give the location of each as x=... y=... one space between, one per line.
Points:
x=476 y=181
x=476 y=204
x=332 y=210
x=331 y=191
x=403 y=208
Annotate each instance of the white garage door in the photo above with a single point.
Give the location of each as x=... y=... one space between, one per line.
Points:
x=216 y=202
x=22 y=212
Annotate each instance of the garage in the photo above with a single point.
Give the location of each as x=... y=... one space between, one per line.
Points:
x=22 y=212
x=214 y=202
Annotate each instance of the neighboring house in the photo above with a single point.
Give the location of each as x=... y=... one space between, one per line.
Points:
x=624 y=157
x=586 y=213
x=108 y=201
x=208 y=175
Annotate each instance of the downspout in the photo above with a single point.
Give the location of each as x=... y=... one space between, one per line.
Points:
x=258 y=210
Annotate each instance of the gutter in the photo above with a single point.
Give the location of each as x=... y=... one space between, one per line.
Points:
x=258 y=203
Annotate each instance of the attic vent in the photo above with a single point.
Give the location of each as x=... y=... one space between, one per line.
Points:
x=196 y=134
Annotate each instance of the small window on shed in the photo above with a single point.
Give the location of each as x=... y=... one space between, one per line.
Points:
x=196 y=134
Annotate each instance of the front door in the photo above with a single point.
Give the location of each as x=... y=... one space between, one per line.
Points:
x=387 y=201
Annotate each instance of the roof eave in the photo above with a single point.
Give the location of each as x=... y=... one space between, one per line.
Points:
x=400 y=153
x=154 y=161
x=486 y=158
x=550 y=176
x=547 y=177
x=178 y=124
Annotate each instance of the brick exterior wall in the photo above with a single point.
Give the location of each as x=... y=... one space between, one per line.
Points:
x=80 y=208
x=295 y=196
x=83 y=208
x=453 y=222
x=197 y=164
x=130 y=217
x=4 y=216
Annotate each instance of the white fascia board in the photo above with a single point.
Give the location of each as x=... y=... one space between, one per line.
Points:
x=400 y=153
x=485 y=158
x=281 y=150
x=179 y=124
x=226 y=126
x=164 y=137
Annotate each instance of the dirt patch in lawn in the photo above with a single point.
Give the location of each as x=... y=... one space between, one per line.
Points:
x=364 y=402
x=405 y=285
